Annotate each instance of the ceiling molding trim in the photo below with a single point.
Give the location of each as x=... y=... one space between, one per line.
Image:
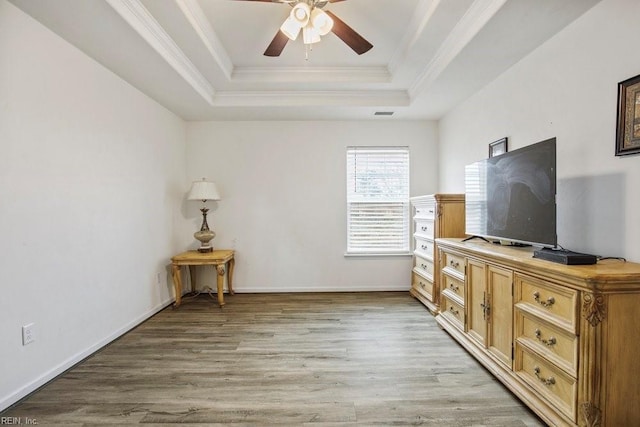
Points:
x=421 y=17
x=201 y=25
x=312 y=75
x=390 y=98
x=476 y=17
x=141 y=20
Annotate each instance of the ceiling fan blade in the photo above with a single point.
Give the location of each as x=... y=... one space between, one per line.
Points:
x=348 y=35
x=277 y=44
x=273 y=1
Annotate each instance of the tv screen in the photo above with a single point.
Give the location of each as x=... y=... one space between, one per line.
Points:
x=513 y=196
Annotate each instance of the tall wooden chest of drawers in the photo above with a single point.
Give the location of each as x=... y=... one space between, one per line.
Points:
x=434 y=216
x=564 y=338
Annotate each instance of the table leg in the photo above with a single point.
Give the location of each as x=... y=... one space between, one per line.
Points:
x=192 y=276
x=230 y=275
x=177 y=284
x=221 y=271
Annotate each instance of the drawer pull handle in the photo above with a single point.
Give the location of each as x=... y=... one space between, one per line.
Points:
x=454 y=264
x=424 y=266
x=454 y=287
x=551 y=341
x=424 y=228
x=548 y=303
x=545 y=381
x=454 y=311
x=430 y=210
x=424 y=247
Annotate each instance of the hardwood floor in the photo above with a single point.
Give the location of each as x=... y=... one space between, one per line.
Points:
x=334 y=359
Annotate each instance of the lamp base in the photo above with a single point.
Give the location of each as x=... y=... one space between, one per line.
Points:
x=204 y=236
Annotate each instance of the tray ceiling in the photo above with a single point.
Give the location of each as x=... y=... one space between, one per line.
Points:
x=203 y=59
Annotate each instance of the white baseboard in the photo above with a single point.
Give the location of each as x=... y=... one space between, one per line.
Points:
x=22 y=392
x=280 y=290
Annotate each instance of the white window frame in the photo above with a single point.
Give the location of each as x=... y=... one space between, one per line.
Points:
x=370 y=200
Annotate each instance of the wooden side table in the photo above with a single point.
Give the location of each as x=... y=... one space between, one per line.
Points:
x=223 y=261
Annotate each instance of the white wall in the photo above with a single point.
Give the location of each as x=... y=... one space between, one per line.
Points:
x=283 y=204
x=91 y=177
x=567 y=88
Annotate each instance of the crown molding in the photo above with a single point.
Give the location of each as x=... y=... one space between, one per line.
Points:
x=141 y=20
x=476 y=17
x=201 y=25
x=312 y=74
x=421 y=17
x=382 y=98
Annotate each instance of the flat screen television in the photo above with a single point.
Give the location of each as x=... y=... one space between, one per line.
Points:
x=512 y=196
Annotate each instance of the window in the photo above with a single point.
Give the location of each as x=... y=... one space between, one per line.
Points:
x=377 y=200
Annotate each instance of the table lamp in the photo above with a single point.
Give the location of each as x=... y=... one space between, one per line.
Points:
x=204 y=190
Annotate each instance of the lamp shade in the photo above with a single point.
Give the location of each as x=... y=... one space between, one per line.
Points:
x=203 y=190
x=290 y=28
x=321 y=21
x=310 y=35
x=301 y=13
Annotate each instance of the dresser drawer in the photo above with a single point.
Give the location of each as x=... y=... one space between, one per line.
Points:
x=426 y=211
x=424 y=267
x=453 y=262
x=425 y=228
x=547 y=300
x=453 y=311
x=559 y=389
x=424 y=246
x=422 y=285
x=453 y=285
x=555 y=344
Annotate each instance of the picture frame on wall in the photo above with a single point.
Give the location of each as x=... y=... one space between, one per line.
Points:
x=628 y=129
x=498 y=147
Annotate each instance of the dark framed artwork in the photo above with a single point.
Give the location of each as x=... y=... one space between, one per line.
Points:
x=628 y=130
x=498 y=147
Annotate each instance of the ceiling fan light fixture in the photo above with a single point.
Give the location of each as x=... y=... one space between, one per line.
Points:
x=321 y=21
x=307 y=16
x=290 y=28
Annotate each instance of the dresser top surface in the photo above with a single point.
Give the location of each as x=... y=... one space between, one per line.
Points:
x=606 y=272
x=438 y=197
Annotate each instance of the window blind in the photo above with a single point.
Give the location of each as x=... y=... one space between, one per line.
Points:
x=377 y=200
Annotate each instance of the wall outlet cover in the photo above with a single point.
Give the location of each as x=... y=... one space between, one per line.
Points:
x=28 y=334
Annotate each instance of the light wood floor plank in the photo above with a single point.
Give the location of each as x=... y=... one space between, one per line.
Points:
x=335 y=359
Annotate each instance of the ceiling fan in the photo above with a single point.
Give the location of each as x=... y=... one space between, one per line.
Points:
x=309 y=18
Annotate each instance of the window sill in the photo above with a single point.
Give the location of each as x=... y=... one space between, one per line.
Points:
x=377 y=254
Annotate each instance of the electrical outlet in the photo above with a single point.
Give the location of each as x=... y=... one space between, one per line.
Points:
x=28 y=334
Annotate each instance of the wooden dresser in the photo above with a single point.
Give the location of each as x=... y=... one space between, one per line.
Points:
x=565 y=339
x=435 y=215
